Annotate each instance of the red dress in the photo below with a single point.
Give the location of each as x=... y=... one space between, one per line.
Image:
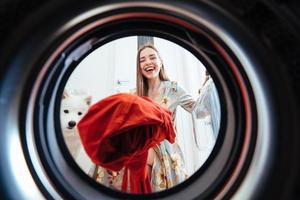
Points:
x=118 y=131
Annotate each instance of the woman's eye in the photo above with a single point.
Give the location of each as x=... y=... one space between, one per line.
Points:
x=66 y=111
x=79 y=113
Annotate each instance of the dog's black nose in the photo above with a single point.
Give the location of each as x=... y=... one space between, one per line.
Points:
x=72 y=124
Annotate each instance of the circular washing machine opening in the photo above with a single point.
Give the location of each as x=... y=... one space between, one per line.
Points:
x=185 y=87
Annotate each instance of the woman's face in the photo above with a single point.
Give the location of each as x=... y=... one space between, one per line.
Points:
x=150 y=63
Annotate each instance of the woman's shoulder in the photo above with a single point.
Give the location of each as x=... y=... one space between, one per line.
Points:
x=170 y=84
x=174 y=87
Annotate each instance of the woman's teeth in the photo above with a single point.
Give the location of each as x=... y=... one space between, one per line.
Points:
x=149 y=69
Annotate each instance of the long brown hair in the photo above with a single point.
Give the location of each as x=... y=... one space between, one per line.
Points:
x=141 y=81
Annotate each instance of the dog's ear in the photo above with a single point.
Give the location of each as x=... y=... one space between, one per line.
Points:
x=65 y=94
x=88 y=100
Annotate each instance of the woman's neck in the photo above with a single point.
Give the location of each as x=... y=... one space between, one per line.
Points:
x=153 y=87
x=153 y=84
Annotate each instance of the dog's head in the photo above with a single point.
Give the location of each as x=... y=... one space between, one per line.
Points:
x=73 y=108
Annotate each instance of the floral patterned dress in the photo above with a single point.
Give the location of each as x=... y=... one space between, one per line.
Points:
x=168 y=167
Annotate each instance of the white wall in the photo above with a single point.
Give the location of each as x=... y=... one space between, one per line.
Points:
x=100 y=71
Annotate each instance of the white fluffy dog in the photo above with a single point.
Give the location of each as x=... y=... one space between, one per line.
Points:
x=73 y=107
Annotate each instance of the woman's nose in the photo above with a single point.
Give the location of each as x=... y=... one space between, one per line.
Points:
x=147 y=61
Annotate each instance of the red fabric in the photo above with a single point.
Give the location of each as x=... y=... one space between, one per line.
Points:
x=118 y=131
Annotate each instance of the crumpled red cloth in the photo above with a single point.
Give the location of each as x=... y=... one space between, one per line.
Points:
x=118 y=131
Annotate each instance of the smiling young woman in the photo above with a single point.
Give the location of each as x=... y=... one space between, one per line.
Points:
x=150 y=71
